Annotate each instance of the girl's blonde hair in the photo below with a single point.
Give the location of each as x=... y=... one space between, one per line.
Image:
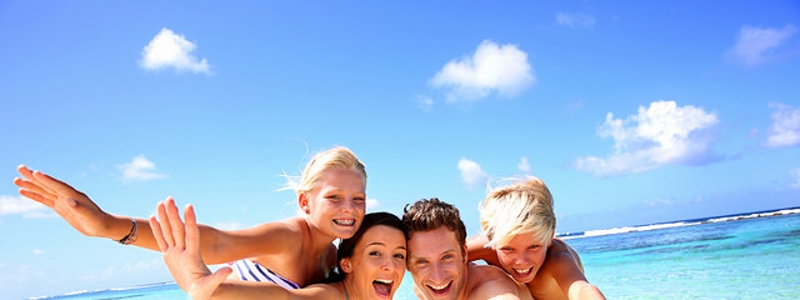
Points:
x=525 y=206
x=334 y=158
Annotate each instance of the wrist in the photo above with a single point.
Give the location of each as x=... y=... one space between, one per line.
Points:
x=132 y=234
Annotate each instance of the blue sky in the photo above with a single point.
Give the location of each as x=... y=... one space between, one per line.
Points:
x=631 y=112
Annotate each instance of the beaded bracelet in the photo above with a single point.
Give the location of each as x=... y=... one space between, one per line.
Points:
x=131 y=237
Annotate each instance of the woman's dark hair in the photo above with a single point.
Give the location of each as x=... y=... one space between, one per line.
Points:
x=347 y=246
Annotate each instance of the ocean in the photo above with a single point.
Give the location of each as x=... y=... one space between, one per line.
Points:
x=748 y=256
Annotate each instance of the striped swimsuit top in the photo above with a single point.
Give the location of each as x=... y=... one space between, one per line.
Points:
x=249 y=270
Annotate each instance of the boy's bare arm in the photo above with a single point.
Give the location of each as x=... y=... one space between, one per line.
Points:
x=585 y=291
x=565 y=267
x=477 y=250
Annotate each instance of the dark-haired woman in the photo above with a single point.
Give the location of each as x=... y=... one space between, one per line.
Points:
x=371 y=263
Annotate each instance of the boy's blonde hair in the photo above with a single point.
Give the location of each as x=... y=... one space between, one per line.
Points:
x=525 y=206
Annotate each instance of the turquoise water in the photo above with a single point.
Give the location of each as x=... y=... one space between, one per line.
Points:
x=752 y=256
x=755 y=258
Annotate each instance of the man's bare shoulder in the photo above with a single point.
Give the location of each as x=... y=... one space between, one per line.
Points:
x=480 y=272
x=491 y=282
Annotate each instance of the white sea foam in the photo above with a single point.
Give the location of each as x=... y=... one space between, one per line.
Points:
x=628 y=229
x=141 y=286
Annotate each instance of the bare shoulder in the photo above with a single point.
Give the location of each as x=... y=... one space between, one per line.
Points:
x=319 y=291
x=288 y=228
x=561 y=255
x=484 y=272
x=559 y=245
x=491 y=282
x=271 y=237
x=561 y=270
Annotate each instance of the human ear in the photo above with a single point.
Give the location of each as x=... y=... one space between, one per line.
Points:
x=302 y=201
x=347 y=265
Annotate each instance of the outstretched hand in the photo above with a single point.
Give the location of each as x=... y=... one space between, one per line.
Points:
x=180 y=245
x=72 y=205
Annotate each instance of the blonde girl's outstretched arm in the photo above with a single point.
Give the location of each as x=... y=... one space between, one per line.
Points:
x=80 y=212
x=179 y=243
x=83 y=214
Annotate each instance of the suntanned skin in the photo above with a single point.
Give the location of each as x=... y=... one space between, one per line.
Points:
x=554 y=271
x=440 y=269
x=380 y=255
x=335 y=210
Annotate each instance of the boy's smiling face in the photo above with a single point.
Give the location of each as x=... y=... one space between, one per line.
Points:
x=522 y=256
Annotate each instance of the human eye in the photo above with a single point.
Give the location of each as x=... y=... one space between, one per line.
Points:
x=374 y=252
x=421 y=262
x=400 y=256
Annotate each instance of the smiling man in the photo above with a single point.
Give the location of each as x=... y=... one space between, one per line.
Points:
x=437 y=258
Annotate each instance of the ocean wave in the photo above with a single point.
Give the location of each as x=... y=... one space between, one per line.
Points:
x=143 y=286
x=683 y=223
x=755 y=215
x=84 y=293
x=73 y=293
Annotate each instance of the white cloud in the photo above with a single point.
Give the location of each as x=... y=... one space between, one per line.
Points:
x=471 y=173
x=785 y=129
x=372 y=203
x=21 y=205
x=169 y=50
x=523 y=166
x=140 y=169
x=794 y=175
x=504 y=69
x=574 y=20
x=659 y=135
x=756 y=45
x=38 y=251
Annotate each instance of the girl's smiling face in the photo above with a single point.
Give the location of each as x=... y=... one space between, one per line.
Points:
x=336 y=206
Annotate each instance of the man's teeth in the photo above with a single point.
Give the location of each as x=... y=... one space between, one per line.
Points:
x=439 y=287
x=521 y=271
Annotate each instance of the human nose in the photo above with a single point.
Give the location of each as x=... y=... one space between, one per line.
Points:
x=437 y=272
x=389 y=264
x=348 y=205
x=521 y=259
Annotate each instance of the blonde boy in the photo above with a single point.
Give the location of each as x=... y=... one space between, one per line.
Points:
x=518 y=228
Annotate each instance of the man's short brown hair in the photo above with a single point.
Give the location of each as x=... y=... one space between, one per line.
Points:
x=430 y=214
